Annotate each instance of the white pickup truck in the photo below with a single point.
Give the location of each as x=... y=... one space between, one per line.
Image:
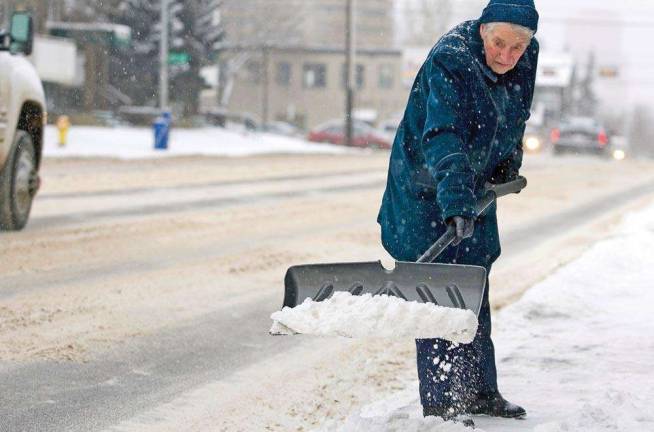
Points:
x=22 y=119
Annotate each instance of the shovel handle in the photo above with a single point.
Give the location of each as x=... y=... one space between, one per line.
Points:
x=493 y=191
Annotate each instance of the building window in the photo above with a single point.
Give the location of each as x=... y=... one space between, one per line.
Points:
x=385 y=76
x=360 y=76
x=284 y=74
x=254 y=71
x=314 y=75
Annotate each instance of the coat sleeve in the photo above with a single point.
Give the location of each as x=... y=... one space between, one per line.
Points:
x=443 y=140
x=509 y=169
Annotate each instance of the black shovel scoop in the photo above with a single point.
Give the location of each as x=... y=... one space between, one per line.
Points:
x=449 y=285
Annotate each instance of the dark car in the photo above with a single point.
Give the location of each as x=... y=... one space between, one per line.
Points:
x=364 y=135
x=580 y=135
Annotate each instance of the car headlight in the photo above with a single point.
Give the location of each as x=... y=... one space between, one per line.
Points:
x=532 y=143
x=618 y=154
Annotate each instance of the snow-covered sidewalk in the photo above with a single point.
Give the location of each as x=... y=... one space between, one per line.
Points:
x=138 y=143
x=576 y=351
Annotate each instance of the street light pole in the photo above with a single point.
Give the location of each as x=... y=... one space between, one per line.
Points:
x=266 y=85
x=163 y=74
x=349 y=66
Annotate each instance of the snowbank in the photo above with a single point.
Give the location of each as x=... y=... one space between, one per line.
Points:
x=576 y=351
x=138 y=143
x=375 y=316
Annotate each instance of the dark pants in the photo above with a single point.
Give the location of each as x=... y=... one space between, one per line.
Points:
x=452 y=375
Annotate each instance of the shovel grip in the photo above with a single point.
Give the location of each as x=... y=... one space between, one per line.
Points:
x=492 y=193
x=511 y=187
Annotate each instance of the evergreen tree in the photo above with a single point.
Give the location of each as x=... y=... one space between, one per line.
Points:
x=195 y=30
x=587 y=102
x=425 y=21
x=134 y=70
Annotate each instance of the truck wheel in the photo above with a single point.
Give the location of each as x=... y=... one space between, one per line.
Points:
x=18 y=183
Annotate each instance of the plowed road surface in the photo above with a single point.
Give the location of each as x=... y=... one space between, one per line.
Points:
x=138 y=298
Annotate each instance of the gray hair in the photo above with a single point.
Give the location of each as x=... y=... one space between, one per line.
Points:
x=522 y=30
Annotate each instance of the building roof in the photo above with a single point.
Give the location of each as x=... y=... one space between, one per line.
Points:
x=116 y=33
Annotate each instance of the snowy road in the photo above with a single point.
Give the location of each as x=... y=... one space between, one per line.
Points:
x=185 y=198
x=142 y=287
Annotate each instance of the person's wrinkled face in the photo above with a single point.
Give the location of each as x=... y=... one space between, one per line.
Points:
x=503 y=46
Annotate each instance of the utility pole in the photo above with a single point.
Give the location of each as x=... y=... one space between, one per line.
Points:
x=4 y=15
x=266 y=85
x=349 y=65
x=163 y=75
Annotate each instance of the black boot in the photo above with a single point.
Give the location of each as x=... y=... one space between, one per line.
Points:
x=448 y=415
x=496 y=406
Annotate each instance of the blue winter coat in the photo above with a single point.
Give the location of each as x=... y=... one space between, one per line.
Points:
x=463 y=126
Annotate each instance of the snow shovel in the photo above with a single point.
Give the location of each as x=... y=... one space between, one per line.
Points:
x=448 y=285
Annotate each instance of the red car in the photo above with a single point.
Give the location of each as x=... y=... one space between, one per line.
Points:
x=364 y=136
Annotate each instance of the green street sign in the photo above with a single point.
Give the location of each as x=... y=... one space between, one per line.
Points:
x=178 y=58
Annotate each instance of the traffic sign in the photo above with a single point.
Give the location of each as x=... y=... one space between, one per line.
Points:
x=178 y=58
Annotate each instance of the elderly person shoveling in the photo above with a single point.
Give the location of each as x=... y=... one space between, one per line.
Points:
x=462 y=128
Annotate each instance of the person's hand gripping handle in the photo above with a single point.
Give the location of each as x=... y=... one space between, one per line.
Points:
x=465 y=228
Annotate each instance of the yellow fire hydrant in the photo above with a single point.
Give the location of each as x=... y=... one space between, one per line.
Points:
x=63 y=125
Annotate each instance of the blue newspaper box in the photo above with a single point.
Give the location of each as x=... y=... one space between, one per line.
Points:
x=162 y=131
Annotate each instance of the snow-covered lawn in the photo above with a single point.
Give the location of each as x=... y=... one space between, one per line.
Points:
x=576 y=351
x=138 y=143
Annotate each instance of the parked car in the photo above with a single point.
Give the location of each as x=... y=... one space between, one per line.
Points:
x=580 y=135
x=108 y=118
x=139 y=115
x=280 y=128
x=241 y=122
x=22 y=119
x=390 y=126
x=364 y=136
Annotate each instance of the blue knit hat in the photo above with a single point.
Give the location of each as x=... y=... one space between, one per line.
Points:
x=521 y=12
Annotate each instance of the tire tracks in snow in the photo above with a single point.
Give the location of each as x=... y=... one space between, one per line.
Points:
x=191 y=186
x=40 y=222
x=156 y=369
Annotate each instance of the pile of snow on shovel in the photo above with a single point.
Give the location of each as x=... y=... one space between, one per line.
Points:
x=380 y=316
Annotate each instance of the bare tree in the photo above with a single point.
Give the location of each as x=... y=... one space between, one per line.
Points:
x=253 y=26
x=587 y=99
x=424 y=21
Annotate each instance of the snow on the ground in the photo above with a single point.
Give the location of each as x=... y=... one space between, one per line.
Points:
x=576 y=351
x=138 y=143
x=375 y=316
